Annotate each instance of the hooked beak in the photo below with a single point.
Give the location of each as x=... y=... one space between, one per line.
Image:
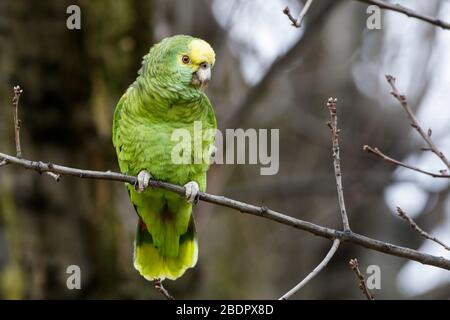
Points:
x=203 y=74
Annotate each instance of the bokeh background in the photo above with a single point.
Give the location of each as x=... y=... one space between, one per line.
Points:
x=268 y=75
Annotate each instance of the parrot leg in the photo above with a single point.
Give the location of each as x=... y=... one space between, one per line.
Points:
x=192 y=190
x=143 y=179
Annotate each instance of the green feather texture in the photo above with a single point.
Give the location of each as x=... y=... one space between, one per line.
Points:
x=163 y=99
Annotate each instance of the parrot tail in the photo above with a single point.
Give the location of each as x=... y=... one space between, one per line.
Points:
x=153 y=265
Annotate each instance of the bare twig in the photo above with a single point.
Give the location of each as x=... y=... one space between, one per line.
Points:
x=332 y=104
x=426 y=136
x=159 y=286
x=287 y=12
x=353 y=263
x=402 y=214
x=410 y=13
x=243 y=207
x=316 y=270
x=380 y=154
x=15 y=101
x=17 y=92
x=298 y=22
x=55 y=176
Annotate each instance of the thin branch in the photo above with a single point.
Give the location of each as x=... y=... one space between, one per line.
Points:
x=159 y=286
x=298 y=22
x=402 y=214
x=259 y=211
x=15 y=102
x=380 y=154
x=332 y=124
x=353 y=263
x=410 y=13
x=426 y=136
x=17 y=92
x=331 y=104
x=287 y=12
x=316 y=270
x=55 y=176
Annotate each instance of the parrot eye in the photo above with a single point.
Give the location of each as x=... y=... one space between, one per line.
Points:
x=185 y=59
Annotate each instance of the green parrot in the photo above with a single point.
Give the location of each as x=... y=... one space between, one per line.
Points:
x=167 y=96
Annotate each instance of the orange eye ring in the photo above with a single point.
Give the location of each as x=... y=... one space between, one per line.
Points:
x=185 y=59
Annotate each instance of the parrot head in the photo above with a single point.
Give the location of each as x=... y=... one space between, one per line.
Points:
x=180 y=61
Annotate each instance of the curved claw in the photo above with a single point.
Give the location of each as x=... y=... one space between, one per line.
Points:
x=192 y=190
x=212 y=150
x=143 y=179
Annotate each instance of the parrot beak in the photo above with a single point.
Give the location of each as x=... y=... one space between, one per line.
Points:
x=202 y=76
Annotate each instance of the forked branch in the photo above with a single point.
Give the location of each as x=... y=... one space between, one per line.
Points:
x=298 y=22
x=426 y=136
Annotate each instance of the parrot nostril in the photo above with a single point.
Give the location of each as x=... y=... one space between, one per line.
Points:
x=204 y=65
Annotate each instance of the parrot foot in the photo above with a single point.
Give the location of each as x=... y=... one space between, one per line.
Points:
x=143 y=179
x=192 y=190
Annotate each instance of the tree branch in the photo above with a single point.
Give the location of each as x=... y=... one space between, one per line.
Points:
x=402 y=214
x=17 y=92
x=410 y=13
x=332 y=124
x=353 y=263
x=243 y=207
x=380 y=154
x=414 y=123
x=316 y=270
x=298 y=22
x=15 y=101
x=159 y=286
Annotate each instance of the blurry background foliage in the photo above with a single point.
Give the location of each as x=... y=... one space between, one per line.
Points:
x=73 y=79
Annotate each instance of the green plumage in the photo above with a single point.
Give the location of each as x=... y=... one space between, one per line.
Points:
x=162 y=99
